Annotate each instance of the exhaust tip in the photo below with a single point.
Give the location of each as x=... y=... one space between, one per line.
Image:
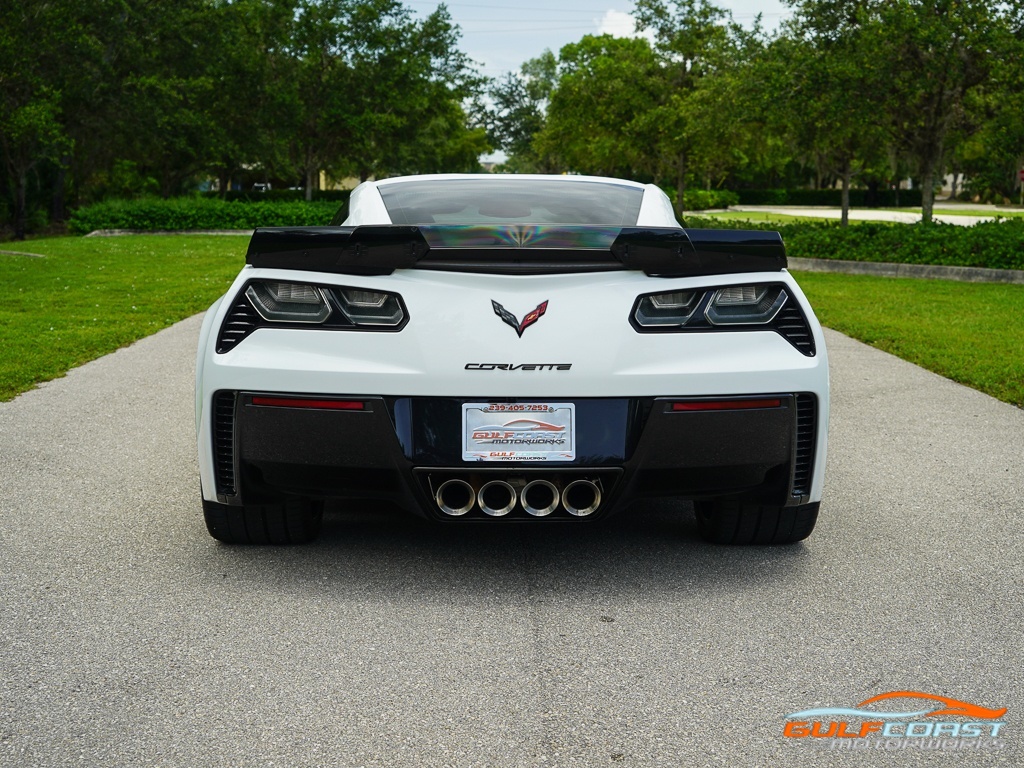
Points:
x=496 y=498
x=540 y=498
x=581 y=498
x=455 y=497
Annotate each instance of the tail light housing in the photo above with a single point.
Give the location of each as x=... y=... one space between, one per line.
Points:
x=750 y=307
x=286 y=304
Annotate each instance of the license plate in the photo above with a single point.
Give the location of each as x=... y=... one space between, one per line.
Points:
x=518 y=432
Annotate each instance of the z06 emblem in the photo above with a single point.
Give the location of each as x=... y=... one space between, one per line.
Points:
x=531 y=317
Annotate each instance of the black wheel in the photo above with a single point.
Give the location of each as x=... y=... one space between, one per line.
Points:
x=731 y=521
x=292 y=521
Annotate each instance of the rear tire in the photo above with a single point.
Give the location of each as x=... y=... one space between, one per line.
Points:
x=731 y=521
x=291 y=521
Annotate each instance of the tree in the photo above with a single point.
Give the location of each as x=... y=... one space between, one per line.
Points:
x=31 y=130
x=363 y=79
x=518 y=111
x=411 y=81
x=595 y=119
x=699 y=46
x=992 y=152
x=829 y=91
x=935 y=53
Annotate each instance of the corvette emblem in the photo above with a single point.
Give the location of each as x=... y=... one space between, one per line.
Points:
x=531 y=317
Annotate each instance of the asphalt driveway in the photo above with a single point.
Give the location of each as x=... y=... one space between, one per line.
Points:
x=130 y=638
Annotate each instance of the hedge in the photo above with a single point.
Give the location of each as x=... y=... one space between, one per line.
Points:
x=336 y=196
x=992 y=244
x=185 y=213
x=996 y=244
x=702 y=199
x=859 y=198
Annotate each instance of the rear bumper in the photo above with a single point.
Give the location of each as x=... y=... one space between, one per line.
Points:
x=404 y=448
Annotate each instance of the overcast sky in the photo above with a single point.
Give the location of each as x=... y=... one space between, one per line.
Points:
x=500 y=35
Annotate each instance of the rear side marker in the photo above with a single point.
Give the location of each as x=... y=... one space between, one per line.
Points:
x=295 y=402
x=726 y=405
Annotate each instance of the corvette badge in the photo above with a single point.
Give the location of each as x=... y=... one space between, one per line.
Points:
x=531 y=317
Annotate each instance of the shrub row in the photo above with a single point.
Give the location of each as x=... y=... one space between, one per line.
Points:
x=187 y=213
x=859 y=198
x=702 y=199
x=337 y=196
x=993 y=244
x=997 y=245
x=243 y=210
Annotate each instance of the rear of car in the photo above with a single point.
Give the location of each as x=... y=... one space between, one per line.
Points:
x=492 y=349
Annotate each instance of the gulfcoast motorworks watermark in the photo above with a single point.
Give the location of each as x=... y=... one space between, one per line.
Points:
x=925 y=727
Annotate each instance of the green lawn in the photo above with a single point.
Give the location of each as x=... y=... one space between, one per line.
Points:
x=1008 y=213
x=89 y=296
x=968 y=332
x=755 y=216
x=782 y=218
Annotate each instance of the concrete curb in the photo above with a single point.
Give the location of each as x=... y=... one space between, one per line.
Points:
x=116 y=232
x=23 y=253
x=927 y=271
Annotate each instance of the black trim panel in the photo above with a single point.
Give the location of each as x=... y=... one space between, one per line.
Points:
x=651 y=449
x=381 y=249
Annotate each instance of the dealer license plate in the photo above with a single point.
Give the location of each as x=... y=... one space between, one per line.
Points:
x=518 y=432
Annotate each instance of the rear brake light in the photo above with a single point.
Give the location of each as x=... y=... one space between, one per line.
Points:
x=666 y=309
x=288 y=302
x=745 y=305
x=296 y=402
x=371 y=308
x=726 y=405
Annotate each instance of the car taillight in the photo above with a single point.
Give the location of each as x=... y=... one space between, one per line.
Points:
x=745 y=304
x=288 y=302
x=306 y=402
x=726 y=405
x=667 y=308
x=363 y=307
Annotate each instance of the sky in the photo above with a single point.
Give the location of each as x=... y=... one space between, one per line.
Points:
x=500 y=35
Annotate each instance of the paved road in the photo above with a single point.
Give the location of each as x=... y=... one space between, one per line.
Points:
x=861 y=214
x=130 y=638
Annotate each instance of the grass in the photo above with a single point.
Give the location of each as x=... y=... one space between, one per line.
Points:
x=968 y=332
x=782 y=218
x=90 y=296
x=1006 y=213
x=757 y=216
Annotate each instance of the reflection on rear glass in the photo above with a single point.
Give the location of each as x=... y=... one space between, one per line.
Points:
x=534 y=201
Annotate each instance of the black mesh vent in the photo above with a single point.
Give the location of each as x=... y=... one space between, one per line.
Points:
x=790 y=322
x=239 y=323
x=224 y=442
x=806 y=431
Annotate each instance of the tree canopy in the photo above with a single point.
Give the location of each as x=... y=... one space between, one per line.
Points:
x=108 y=98
x=844 y=92
x=101 y=97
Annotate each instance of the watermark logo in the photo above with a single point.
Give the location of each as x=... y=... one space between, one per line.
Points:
x=928 y=722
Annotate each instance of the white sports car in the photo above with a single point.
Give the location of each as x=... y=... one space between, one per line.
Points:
x=495 y=348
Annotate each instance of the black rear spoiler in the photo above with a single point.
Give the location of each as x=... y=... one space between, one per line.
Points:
x=517 y=249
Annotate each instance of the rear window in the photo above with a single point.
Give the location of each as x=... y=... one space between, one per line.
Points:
x=492 y=201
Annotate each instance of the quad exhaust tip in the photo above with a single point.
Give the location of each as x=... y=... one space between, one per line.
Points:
x=455 y=497
x=496 y=498
x=581 y=498
x=540 y=498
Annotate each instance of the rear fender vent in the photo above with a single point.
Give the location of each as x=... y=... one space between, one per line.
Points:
x=791 y=323
x=240 y=321
x=224 y=442
x=806 y=439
